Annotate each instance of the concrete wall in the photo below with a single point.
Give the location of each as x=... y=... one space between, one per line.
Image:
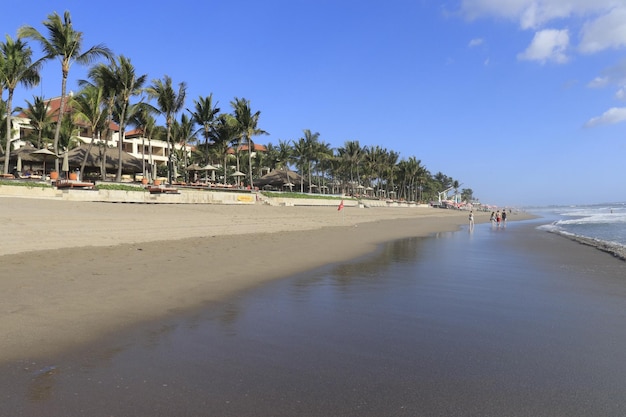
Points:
x=186 y=196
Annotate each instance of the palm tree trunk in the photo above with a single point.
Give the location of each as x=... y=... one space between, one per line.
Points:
x=82 y=165
x=7 y=154
x=57 y=132
x=250 y=145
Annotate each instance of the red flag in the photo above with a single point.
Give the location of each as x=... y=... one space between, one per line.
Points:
x=340 y=206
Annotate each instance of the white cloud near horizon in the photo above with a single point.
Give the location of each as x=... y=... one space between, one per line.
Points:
x=549 y=45
x=607 y=31
x=603 y=21
x=476 y=42
x=612 y=116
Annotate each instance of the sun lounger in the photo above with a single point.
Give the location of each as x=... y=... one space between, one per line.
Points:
x=74 y=184
x=156 y=189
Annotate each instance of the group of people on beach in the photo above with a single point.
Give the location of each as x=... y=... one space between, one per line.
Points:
x=498 y=219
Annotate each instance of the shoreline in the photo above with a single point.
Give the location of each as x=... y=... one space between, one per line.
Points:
x=615 y=249
x=106 y=267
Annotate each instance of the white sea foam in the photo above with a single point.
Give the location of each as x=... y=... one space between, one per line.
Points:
x=601 y=226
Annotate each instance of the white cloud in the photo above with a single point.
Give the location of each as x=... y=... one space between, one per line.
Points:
x=611 y=76
x=612 y=116
x=599 y=82
x=547 y=45
x=532 y=14
x=621 y=94
x=602 y=23
x=607 y=31
x=476 y=42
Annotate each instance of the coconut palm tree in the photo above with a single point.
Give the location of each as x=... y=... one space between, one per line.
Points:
x=64 y=43
x=3 y=116
x=102 y=77
x=169 y=103
x=205 y=115
x=16 y=67
x=127 y=84
x=183 y=133
x=311 y=141
x=226 y=131
x=248 y=127
x=87 y=107
x=352 y=154
x=144 y=121
x=285 y=157
x=323 y=158
x=38 y=112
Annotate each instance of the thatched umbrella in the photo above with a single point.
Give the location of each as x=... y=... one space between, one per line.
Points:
x=278 y=179
x=130 y=164
x=44 y=154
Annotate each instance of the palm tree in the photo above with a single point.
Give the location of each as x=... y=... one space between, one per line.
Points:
x=247 y=122
x=311 y=141
x=65 y=43
x=169 y=103
x=390 y=167
x=323 y=157
x=300 y=154
x=144 y=121
x=127 y=84
x=102 y=77
x=38 y=112
x=205 y=115
x=285 y=157
x=87 y=107
x=225 y=133
x=3 y=117
x=183 y=134
x=352 y=154
x=16 y=67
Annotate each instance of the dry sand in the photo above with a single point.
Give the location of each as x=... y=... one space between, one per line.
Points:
x=71 y=273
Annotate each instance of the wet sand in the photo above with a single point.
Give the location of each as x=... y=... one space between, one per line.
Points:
x=73 y=273
x=514 y=322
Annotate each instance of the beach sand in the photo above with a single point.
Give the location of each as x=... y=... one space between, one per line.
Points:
x=72 y=273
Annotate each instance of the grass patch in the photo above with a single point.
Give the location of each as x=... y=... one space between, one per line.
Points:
x=270 y=194
x=29 y=184
x=119 y=187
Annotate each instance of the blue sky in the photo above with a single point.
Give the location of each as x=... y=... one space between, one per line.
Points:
x=523 y=101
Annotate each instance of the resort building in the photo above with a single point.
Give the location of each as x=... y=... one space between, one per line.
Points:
x=154 y=152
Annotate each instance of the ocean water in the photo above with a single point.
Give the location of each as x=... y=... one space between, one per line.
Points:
x=600 y=225
x=509 y=321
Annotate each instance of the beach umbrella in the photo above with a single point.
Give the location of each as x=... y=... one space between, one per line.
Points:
x=238 y=175
x=44 y=154
x=194 y=167
x=211 y=168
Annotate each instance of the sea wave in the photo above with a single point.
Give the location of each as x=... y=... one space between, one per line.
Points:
x=595 y=219
x=614 y=248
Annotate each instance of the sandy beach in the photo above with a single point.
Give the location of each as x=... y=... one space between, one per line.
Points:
x=76 y=272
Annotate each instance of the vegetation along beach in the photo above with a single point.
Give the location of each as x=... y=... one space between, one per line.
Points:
x=164 y=253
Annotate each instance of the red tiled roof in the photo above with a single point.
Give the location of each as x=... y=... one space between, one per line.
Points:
x=53 y=109
x=257 y=148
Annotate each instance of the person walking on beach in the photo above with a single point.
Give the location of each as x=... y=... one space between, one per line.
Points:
x=492 y=219
x=504 y=218
x=498 y=218
x=471 y=220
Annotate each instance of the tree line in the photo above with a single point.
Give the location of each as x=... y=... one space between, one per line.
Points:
x=115 y=93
